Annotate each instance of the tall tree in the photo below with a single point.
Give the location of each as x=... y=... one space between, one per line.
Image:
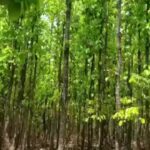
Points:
x=64 y=100
x=118 y=73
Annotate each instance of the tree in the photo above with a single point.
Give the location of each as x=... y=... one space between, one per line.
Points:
x=64 y=100
x=118 y=73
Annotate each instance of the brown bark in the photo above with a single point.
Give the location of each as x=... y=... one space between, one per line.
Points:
x=147 y=52
x=118 y=74
x=64 y=99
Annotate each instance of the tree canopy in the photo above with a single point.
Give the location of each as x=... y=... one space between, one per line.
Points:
x=17 y=7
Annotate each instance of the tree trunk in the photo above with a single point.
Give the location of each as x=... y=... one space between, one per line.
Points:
x=147 y=52
x=118 y=74
x=63 y=119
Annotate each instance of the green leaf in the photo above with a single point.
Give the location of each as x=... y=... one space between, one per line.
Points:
x=120 y=123
x=142 y=120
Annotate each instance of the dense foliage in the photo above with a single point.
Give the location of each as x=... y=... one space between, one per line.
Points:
x=75 y=74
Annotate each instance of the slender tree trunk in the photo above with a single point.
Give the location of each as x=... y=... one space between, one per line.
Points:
x=140 y=101
x=147 y=53
x=91 y=96
x=1 y=127
x=129 y=124
x=118 y=74
x=85 y=95
x=60 y=83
